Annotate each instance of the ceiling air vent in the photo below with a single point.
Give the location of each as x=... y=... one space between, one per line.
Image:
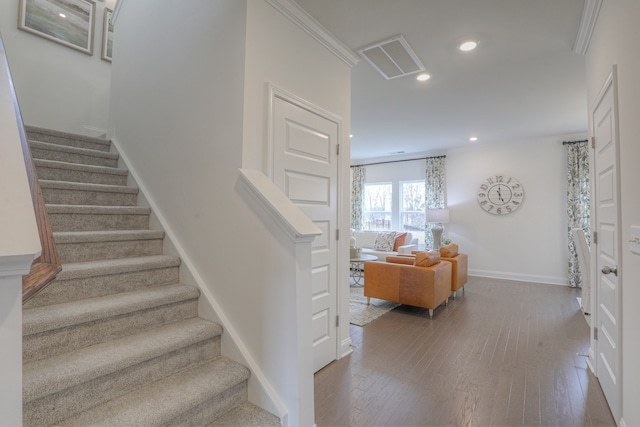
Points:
x=392 y=57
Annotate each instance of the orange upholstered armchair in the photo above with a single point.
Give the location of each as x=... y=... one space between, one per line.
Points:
x=459 y=275
x=426 y=284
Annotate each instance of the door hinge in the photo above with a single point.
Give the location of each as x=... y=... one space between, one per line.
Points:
x=337 y=321
x=595 y=237
x=338 y=149
x=593 y=142
x=595 y=334
x=337 y=234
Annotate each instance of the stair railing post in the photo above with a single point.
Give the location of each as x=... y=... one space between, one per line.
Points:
x=19 y=246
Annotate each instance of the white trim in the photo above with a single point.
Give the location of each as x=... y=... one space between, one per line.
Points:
x=309 y=25
x=116 y=12
x=590 y=13
x=549 y=280
x=256 y=372
x=283 y=211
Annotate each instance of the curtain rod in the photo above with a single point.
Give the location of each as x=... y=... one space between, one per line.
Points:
x=574 y=142
x=397 y=161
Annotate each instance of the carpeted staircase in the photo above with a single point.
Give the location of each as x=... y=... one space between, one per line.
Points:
x=116 y=339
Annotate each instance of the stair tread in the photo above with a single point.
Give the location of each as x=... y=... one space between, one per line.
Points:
x=62 y=237
x=57 y=373
x=73 y=150
x=61 y=134
x=80 y=167
x=120 y=265
x=40 y=319
x=247 y=415
x=159 y=402
x=81 y=186
x=96 y=209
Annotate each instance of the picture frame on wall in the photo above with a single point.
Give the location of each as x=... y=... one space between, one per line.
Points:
x=107 y=35
x=67 y=22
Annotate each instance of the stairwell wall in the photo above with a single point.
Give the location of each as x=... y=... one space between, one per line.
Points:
x=188 y=103
x=58 y=87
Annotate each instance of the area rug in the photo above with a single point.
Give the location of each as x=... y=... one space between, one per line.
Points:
x=361 y=313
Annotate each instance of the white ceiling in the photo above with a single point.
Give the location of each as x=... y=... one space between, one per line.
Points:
x=522 y=82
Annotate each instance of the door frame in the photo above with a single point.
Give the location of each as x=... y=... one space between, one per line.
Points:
x=342 y=344
x=611 y=83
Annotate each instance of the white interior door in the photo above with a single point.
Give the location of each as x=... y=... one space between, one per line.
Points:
x=305 y=167
x=608 y=295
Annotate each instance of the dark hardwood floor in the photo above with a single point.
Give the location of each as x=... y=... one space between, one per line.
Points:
x=503 y=354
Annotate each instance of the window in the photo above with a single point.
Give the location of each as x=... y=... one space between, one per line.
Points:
x=412 y=206
x=377 y=206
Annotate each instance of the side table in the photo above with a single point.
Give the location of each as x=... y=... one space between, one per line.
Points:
x=357 y=267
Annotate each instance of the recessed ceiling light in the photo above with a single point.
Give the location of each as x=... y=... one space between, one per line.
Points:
x=423 y=77
x=62 y=15
x=473 y=139
x=468 y=45
x=351 y=136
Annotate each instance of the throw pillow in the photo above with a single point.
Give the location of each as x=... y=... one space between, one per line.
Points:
x=385 y=241
x=449 y=251
x=400 y=238
x=426 y=259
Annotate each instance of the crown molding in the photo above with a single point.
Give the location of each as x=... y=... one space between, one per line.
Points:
x=308 y=24
x=590 y=13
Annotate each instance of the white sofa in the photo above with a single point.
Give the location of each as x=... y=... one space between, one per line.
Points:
x=366 y=240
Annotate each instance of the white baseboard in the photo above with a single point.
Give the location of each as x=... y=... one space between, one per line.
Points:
x=94 y=131
x=346 y=347
x=263 y=393
x=560 y=281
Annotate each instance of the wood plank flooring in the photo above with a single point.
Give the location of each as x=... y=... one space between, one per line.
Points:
x=503 y=354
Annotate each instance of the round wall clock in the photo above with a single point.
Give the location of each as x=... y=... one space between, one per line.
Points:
x=500 y=194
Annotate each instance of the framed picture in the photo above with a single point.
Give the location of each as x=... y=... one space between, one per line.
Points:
x=107 y=35
x=68 y=22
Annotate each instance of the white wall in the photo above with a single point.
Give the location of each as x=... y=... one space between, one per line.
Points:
x=58 y=87
x=614 y=42
x=280 y=54
x=529 y=244
x=188 y=110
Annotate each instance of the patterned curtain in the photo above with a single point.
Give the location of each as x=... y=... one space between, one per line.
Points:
x=434 y=191
x=357 y=196
x=578 y=201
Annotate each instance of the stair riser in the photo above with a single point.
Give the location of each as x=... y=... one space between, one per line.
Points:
x=47 y=344
x=97 y=222
x=206 y=412
x=61 y=291
x=94 y=251
x=96 y=198
x=58 y=406
x=60 y=174
x=67 y=142
x=84 y=159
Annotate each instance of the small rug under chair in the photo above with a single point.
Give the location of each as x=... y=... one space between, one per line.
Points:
x=361 y=313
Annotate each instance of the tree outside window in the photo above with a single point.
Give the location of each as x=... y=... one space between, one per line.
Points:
x=412 y=206
x=377 y=206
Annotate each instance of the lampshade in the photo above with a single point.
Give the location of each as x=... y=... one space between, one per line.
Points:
x=440 y=216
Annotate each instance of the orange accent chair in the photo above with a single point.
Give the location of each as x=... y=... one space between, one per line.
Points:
x=459 y=262
x=425 y=283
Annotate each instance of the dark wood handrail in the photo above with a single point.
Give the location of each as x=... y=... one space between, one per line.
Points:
x=44 y=268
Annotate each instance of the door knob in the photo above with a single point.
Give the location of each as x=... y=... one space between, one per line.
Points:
x=606 y=270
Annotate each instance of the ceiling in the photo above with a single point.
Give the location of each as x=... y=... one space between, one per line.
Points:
x=522 y=81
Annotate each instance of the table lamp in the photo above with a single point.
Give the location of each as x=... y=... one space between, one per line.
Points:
x=438 y=216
